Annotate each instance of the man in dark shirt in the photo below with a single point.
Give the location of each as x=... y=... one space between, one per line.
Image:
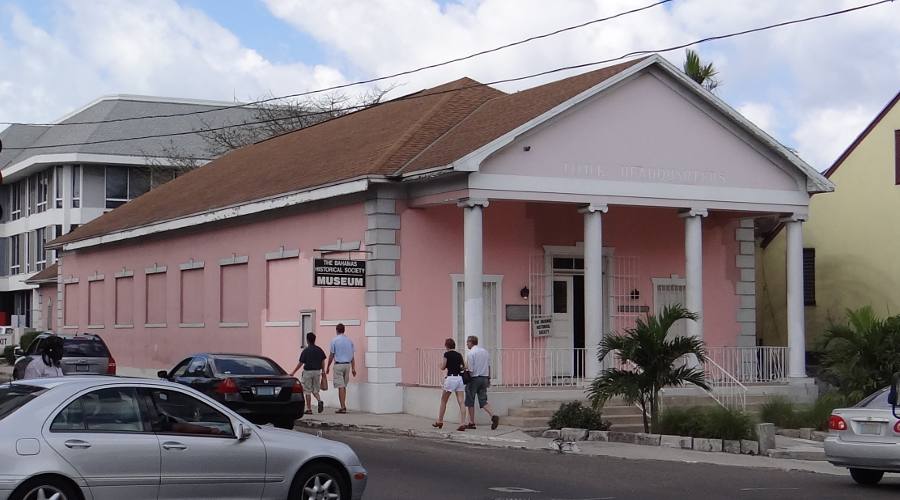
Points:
x=311 y=360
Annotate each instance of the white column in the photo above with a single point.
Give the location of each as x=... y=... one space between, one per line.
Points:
x=796 y=330
x=473 y=265
x=593 y=286
x=693 y=268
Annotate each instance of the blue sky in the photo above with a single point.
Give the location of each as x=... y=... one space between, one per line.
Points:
x=813 y=87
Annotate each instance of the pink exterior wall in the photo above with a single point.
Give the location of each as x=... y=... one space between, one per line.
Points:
x=432 y=251
x=157 y=347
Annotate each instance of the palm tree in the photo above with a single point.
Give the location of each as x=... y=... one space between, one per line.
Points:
x=703 y=74
x=655 y=363
x=861 y=356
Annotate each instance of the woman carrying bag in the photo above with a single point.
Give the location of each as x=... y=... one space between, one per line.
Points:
x=454 y=363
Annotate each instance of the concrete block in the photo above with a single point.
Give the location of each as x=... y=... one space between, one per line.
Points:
x=806 y=433
x=748 y=275
x=747 y=302
x=551 y=433
x=680 y=442
x=745 y=340
x=381 y=298
x=749 y=447
x=572 y=434
x=385 y=252
x=381 y=328
x=747 y=223
x=381 y=237
x=729 y=446
x=383 y=221
x=647 y=439
x=383 y=313
x=744 y=288
x=621 y=437
x=745 y=261
x=747 y=248
x=746 y=315
x=703 y=444
x=598 y=436
x=382 y=267
x=765 y=437
x=383 y=283
x=383 y=344
x=381 y=359
x=384 y=375
x=744 y=234
x=791 y=433
x=819 y=436
x=381 y=206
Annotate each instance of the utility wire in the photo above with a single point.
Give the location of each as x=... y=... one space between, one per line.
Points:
x=421 y=94
x=359 y=82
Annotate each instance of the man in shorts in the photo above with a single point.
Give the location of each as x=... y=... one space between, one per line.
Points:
x=479 y=362
x=342 y=355
x=311 y=360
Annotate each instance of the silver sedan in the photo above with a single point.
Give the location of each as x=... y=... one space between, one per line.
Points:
x=107 y=438
x=865 y=439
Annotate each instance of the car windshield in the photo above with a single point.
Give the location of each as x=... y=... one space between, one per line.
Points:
x=14 y=396
x=877 y=401
x=246 y=366
x=82 y=347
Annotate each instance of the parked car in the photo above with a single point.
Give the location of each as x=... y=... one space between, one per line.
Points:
x=254 y=386
x=83 y=354
x=104 y=438
x=865 y=438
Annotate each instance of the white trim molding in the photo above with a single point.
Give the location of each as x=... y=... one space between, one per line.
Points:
x=191 y=325
x=234 y=325
x=334 y=322
x=235 y=259
x=156 y=269
x=96 y=277
x=281 y=324
x=191 y=264
x=155 y=325
x=281 y=253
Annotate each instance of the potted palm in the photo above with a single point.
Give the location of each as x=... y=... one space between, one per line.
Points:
x=650 y=360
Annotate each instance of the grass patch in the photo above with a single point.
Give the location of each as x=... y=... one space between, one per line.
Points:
x=712 y=422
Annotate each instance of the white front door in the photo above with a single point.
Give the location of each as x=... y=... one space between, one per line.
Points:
x=562 y=331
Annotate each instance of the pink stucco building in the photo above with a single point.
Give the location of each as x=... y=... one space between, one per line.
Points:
x=539 y=220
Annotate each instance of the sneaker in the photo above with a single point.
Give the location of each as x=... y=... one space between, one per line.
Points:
x=495 y=421
x=321 y=406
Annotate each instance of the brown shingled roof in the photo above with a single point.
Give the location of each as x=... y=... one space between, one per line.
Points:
x=430 y=128
x=48 y=275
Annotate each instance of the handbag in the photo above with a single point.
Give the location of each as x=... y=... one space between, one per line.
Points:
x=466 y=377
x=323 y=384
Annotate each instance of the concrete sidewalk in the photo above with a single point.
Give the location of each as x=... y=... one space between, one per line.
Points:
x=511 y=437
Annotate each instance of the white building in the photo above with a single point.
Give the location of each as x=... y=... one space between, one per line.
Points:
x=56 y=177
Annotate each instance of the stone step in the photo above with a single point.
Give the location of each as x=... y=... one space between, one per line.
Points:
x=627 y=427
x=615 y=420
x=532 y=412
x=620 y=410
x=524 y=422
x=555 y=403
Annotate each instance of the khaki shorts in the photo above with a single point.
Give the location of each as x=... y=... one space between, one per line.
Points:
x=341 y=375
x=311 y=380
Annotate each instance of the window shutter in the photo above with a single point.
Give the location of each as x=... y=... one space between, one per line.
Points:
x=809 y=276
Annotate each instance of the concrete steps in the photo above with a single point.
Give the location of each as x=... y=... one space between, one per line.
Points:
x=535 y=413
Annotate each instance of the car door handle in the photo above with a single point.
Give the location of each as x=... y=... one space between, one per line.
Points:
x=174 y=445
x=77 y=444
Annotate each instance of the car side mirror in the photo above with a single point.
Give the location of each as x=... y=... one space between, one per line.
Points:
x=18 y=352
x=243 y=432
x=162 y=374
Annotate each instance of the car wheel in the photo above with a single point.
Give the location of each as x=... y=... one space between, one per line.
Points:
x=319 y=481
x=866 y=477
x=45 y=488
x=284 y=422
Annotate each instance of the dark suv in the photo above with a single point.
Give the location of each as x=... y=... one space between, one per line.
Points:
x=83 y=354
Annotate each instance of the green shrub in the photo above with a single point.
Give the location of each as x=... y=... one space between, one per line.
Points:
x=580 y=417
x=9 y=354
x=780 y=411
x=712 y=422
x=24 y=341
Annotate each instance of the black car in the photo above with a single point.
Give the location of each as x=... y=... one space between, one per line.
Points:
x=254 y=386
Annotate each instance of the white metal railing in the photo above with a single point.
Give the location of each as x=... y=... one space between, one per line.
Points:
x=515 y=367
x=727 y=390
x=752 y=365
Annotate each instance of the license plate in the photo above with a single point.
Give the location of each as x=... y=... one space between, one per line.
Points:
x=265 y=391
x=870 y=428
x=82 y=368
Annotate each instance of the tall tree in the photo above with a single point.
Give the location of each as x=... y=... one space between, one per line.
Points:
x=649 y=363
x=704 y=74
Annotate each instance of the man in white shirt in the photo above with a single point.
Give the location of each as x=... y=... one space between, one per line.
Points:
x=46 y=365
x=479 y=363
x=342 y=354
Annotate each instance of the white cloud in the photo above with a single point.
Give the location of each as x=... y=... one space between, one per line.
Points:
x=153 y=47
x=826 y=132
x=761 y=114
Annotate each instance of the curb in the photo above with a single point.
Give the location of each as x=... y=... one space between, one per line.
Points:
x=434 y=435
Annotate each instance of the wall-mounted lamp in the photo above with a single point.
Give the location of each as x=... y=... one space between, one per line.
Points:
x=635 y=294
x=524 y=292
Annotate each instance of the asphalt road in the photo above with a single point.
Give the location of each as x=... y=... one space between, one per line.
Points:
x=411 y=468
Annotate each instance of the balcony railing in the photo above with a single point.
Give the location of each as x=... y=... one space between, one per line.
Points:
x=752 y=365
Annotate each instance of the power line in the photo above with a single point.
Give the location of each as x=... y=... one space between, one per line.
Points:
x=359 y=82
x=495 y=82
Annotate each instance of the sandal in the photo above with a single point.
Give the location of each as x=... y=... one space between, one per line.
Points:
x=342 y=410
x=461 y=428
x=321 y=406
x=470 y=426
x=438 y=425
x=308 y=412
